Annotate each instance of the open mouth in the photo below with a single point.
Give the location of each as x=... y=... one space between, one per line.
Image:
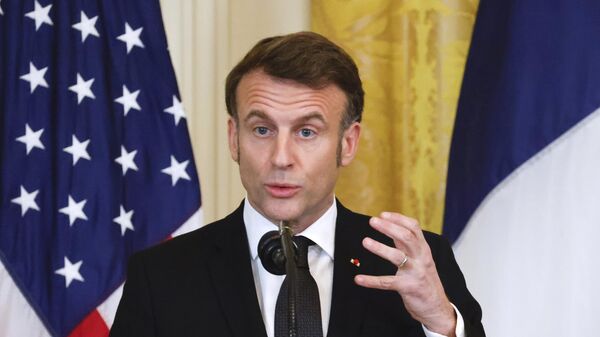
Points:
x=282 y=190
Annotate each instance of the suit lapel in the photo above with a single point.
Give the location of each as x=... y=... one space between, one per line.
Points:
x=348 y=300
x=231 y=273
x=232 y=277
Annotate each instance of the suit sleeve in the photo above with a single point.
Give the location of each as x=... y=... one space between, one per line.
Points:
x=456 y=288
x=134 y=315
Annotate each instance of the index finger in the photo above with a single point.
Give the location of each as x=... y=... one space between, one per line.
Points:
x=402 y=237
x=407 y=222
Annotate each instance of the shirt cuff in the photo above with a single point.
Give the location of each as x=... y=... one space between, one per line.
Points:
x=460 y=326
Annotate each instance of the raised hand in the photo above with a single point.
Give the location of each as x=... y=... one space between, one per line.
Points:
x=416 y=279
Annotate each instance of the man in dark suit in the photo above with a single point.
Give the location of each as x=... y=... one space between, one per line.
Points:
x=295 y=105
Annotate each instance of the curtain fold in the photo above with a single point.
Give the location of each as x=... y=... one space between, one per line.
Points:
x=411 y=56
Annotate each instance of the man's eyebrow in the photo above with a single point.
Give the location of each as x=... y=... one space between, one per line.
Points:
x=303 y=119
x=256 y=114
x=312 y=115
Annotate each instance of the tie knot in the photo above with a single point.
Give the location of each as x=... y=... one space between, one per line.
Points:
x=302 y=243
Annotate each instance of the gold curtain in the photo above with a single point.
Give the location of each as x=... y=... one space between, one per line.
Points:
x=411 y=56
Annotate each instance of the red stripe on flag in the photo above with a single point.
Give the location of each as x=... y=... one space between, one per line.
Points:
x=91 y=326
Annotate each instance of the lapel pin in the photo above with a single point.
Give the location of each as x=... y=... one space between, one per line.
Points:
x=355 y=262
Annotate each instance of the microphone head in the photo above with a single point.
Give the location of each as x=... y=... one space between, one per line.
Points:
x=271 y=253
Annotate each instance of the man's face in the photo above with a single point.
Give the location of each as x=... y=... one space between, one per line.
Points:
x=285 y=142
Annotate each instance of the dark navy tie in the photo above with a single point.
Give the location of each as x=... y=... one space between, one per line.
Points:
x=308 y=308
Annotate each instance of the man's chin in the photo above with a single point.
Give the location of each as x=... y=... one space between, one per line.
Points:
x=277 y=216
x=286 y=210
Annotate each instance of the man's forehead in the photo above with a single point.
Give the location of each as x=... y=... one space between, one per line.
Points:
x=259 y=77
x=259 y=88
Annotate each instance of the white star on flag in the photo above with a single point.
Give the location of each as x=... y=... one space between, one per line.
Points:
x=31 y=139
x=40 y=15
x=99 y=106
x=78 y=149
x=177 y=170
x=35 y=77
x=26 y=200
x=87 y=26
x=131 y=37
x=124 y=220
x=1 y=12
x=71 y=272
x=129 y=100
x=74 y=210
x=126 y=160
x=176 y=110
x=83 y=88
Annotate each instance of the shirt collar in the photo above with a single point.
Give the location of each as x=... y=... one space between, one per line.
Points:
x=321 y=232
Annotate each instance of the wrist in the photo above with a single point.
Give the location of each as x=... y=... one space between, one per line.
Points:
x=444 y=323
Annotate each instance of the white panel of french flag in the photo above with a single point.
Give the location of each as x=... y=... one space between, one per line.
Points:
x=522 y=203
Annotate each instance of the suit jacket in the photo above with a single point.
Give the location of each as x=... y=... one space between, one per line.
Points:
x=201 y=284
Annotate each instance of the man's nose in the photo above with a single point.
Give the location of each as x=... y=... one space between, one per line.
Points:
x=283 y=151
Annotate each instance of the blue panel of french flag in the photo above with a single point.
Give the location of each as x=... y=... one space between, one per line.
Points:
x=523 y=202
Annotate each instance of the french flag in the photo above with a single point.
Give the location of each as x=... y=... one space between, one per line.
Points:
x=523 y=190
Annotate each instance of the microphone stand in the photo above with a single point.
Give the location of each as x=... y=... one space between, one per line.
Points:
x=290 y=268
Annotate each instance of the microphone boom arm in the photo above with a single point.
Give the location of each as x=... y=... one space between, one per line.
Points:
x=290 y=268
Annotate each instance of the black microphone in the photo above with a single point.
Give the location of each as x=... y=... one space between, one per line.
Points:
x=272 y=252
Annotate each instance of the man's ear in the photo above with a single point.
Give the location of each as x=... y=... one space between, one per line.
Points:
x=349 y=144
x=232 y=137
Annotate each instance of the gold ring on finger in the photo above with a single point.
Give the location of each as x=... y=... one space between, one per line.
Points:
x=403 y=262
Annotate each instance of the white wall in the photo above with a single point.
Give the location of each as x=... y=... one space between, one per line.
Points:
x=206 y=39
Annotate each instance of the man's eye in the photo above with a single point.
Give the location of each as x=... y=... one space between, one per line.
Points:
x=306 y=133
x=261 y=130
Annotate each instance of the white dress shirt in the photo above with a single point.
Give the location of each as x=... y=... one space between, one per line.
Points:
x=320 y=261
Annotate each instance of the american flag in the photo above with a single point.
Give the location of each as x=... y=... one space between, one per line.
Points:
x=95 y=158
